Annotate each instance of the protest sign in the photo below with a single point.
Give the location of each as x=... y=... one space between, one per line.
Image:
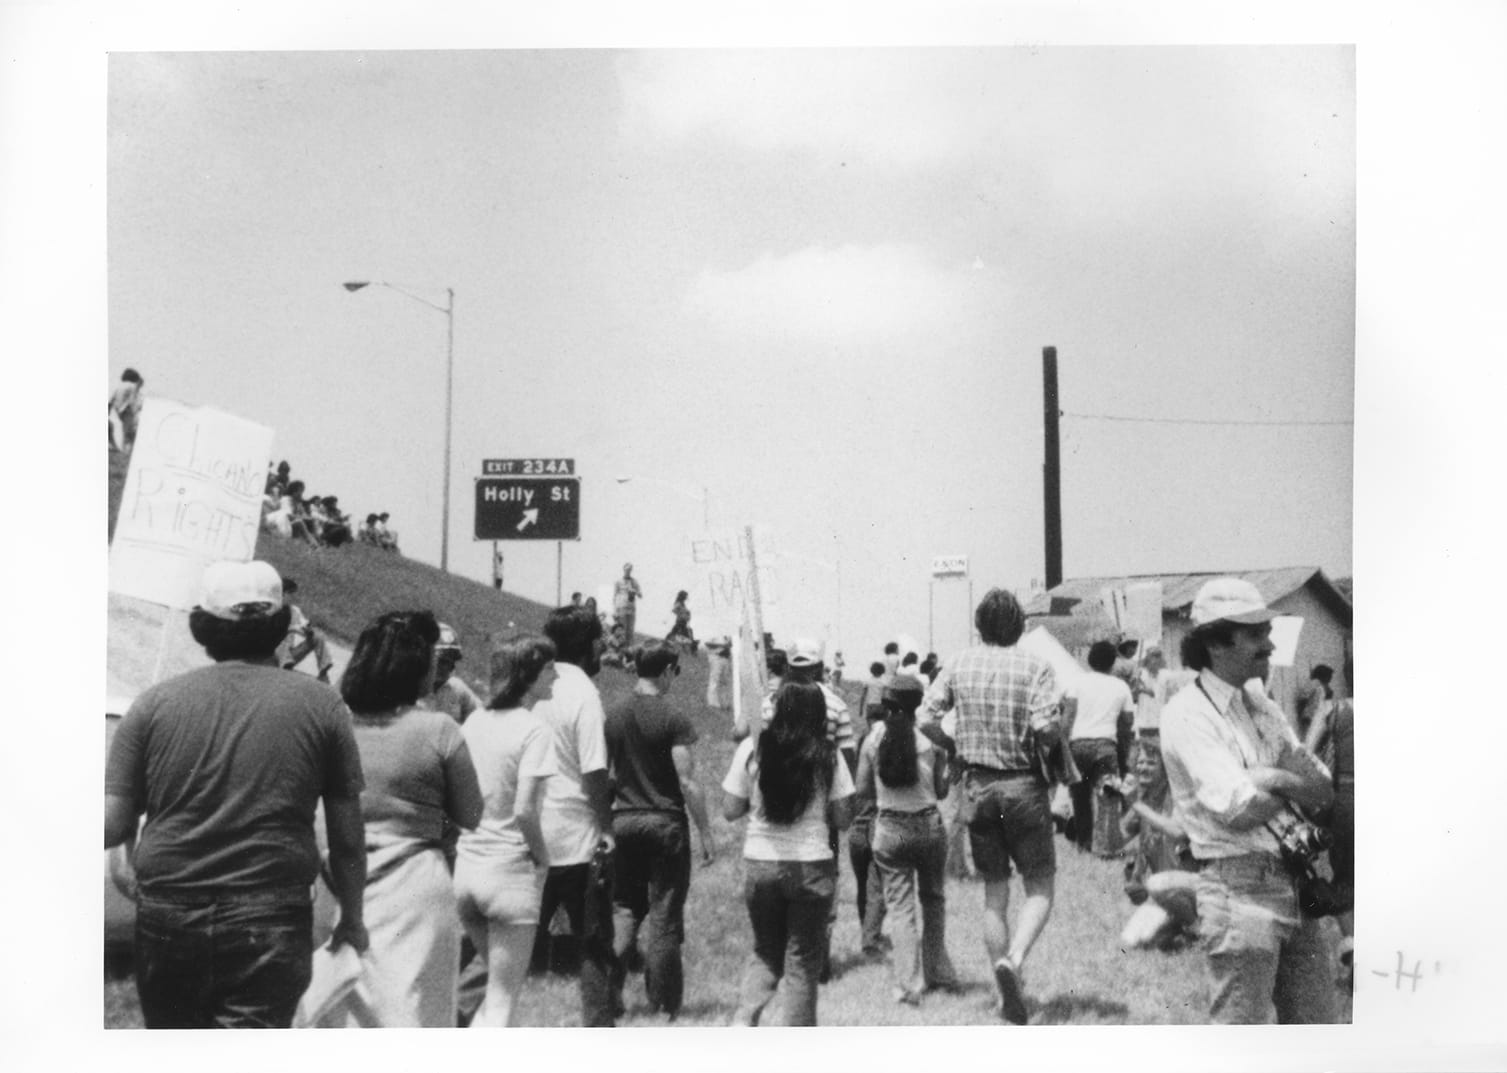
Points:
x=192 y=496
x=1285 y=631
x=1143 y=613
x=730 y=568
x=1065 y=668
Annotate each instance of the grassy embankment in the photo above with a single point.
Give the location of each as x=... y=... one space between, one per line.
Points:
x=1077 y=975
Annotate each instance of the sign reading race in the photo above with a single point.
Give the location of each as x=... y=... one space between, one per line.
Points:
x=528 y=508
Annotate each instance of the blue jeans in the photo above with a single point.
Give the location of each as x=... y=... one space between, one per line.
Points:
x=237 y=962
x=788 y=903
x=651 y=877
x=911 y=851
x=1096 y=759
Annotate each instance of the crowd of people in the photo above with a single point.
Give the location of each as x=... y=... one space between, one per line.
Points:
x=290 y=512
x=456 y=828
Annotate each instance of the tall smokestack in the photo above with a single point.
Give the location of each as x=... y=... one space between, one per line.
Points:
x=1051 y=470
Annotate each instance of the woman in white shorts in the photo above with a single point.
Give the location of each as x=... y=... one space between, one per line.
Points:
x=500 y=866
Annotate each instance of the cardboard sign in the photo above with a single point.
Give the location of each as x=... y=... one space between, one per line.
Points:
x=192 y=496
x=730 y=568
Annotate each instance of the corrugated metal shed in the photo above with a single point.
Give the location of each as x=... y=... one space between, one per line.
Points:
x=1178 y=590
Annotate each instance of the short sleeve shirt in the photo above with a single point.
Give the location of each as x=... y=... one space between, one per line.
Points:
x=575 y=717
x=229 y=762
x=803 y=840
x=506 y=747
x=418 y=770
x=641 y=732
x=1102 y=698
x=1002 y=694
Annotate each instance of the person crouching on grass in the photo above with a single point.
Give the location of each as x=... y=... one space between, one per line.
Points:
x=791 y=783
x=906 y=772
x=1160 y=880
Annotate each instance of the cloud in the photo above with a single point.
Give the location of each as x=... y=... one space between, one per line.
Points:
x=868 y=103
x=848 y=294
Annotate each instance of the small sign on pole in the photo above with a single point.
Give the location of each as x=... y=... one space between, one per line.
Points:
x=949 y=566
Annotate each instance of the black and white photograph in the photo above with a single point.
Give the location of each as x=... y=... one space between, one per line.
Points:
x=856 y=533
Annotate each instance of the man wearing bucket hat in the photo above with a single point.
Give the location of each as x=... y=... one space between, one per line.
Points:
x=228 y=763
x=1236 y=770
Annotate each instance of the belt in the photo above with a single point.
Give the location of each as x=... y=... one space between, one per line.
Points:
x=998 y=773
x=906 y=814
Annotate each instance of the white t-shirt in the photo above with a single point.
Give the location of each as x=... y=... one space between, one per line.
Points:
x=803 y=840
x=574 y=713
x=1101 y=698
x=505 y=747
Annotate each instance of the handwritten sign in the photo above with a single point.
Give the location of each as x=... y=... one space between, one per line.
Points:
x=723 y=565
x=192 y=496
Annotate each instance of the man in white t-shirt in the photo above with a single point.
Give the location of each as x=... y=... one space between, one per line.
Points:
x=577 y=814
x=1100 y=712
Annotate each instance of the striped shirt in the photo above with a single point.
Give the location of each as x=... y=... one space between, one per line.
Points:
x=1003 y=696
x=839 y=722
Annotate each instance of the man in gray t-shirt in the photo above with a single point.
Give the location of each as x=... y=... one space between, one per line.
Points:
x=228 y=764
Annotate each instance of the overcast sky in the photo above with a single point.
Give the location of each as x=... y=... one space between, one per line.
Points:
x=815 y=283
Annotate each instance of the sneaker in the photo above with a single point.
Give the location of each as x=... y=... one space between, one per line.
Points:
x=1012 y=1006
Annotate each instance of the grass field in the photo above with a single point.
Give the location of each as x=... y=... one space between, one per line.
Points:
x=1077 y=973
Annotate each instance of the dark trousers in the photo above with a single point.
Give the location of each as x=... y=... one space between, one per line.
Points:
x=1096 y=758
x=650 y=879
x=870 y=885
x=241 y=962
x=586 y=897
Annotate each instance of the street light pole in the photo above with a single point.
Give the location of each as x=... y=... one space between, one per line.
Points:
x=449 y=310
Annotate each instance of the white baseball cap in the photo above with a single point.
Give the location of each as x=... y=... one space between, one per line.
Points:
x=1230 y=599
x=449 y=640
x=235 y=591
x=804 y=652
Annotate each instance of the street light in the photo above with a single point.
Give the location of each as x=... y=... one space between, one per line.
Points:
x=704 y=498
x=449 y=310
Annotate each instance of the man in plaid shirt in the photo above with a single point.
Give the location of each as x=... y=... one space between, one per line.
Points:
x=1007 y=710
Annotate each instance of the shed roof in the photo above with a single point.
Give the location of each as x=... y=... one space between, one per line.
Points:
x=1178 y=590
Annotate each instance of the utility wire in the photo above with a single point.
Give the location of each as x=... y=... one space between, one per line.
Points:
x=1192 y=420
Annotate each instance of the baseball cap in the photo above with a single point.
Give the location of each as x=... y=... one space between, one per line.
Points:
x=804 y=652
x=235 y=591
x=905 y=691
x=1230 y=599
x=449 y=640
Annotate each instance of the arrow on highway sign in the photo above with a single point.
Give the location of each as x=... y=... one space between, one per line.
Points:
x=530 y=516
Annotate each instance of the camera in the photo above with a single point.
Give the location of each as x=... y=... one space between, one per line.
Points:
x=1300 y=844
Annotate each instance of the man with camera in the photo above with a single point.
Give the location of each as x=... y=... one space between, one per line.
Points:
x=1242 y=783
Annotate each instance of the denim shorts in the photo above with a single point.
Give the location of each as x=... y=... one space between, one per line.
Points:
x=1011 y=821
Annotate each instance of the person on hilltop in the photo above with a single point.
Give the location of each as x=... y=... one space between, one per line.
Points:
x=387 y=538
x=1007 y=712
x=906 y=772
x=794 y=787
x=302 y=639
x=625 y=596
x=719 y=673
x=578 y=811
x=451 y=695
x=500 y=867
x=125 y=406
x=1237 y=770
x=656 y=797
x=419 y=781
x=681 y=631
x=229 y=762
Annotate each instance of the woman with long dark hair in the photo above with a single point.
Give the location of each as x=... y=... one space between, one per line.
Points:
x=418 y=775
x=791 y=783
x=906 y=773
x=501 y=866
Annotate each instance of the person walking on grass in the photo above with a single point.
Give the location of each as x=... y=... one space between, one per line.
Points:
x=1007 y=715
x=791 y=784
x=906 y=773
x=419 y=780
x=229 y=762
x=654 y=774
x=1098 y=714
x=578 y=811
x=500 y=867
